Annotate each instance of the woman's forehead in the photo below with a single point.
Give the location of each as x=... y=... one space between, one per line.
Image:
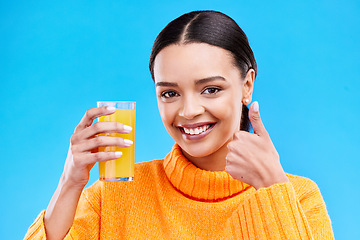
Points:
x=192 y=61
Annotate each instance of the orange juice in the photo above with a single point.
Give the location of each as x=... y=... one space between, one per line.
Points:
x=120 y=169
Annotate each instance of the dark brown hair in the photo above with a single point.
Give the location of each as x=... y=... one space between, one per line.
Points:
x=214 y=28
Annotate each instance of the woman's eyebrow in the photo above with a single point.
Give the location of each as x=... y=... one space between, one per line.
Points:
x=166 y=84
x=197 y=82
x=209 y=79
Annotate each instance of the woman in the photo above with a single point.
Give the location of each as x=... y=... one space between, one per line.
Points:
x=218 y=182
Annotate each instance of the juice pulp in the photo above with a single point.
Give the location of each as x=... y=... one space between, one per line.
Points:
x=122 y=167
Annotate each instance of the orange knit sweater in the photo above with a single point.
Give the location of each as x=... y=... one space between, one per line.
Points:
x=173 y=199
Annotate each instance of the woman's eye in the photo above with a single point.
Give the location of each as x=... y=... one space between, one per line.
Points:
x=169 y=94
x=211 y=90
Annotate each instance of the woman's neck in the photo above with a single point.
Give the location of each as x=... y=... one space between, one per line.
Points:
x=213 y=162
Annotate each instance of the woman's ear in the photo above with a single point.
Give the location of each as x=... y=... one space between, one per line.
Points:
x=248 y=86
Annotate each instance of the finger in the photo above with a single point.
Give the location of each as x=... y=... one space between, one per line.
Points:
x=243 y=141
x=233 y=146
x=255 y=119
x=105 y=127
x=93 y=113
x=235 y=169
x=91 y=158
x=102 y=141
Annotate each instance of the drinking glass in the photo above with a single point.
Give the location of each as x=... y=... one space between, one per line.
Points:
x=120 y=169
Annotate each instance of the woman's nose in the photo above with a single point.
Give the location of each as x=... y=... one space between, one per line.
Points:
x=191 y=107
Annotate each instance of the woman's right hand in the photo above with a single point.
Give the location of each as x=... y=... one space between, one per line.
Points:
x=83 y=152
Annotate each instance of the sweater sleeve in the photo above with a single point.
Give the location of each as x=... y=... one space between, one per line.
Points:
x=278 y=212
x=86 y=223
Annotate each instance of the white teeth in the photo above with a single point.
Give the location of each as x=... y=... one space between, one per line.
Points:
x=196 y=131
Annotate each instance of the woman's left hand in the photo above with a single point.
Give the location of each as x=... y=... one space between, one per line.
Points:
x=252 y=157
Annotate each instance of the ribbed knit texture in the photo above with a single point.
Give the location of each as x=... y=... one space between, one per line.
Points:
x=173 y=199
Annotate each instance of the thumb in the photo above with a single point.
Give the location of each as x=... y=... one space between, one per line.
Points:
x=255 y=119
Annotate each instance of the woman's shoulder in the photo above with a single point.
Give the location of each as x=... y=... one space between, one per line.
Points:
x=149 y=166
x=149 y=171
x=303 y=186
x=300 y=181
x=145 y=173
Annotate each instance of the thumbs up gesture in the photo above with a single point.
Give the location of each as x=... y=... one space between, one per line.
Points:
x=252 y=157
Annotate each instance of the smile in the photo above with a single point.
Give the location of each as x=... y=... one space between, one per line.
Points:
x=196 y=131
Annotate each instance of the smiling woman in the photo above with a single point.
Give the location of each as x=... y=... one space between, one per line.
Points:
x=219 y=181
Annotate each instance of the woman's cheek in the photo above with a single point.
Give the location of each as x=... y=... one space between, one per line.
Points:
x=168 y=115
x=229 y=113
x=223 y=109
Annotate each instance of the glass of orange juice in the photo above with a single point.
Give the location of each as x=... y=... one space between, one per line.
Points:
x=120 y=169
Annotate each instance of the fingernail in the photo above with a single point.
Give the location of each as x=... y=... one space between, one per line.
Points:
x=128 y=142
x=256 y=107
x=118 y=154
x=127 y=128
x=111 y=109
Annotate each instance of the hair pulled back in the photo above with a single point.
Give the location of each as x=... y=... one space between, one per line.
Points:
x=214 y=28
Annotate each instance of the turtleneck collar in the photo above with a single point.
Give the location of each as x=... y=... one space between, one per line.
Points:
x=198 y=183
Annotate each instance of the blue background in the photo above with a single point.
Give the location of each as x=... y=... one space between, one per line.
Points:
x=57 y=58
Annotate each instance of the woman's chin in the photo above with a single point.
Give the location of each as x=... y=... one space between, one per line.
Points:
x=198 y=150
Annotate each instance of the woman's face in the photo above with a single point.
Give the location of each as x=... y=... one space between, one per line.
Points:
x=199 y=94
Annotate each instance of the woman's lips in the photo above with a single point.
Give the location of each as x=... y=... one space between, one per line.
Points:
x=196 y=131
